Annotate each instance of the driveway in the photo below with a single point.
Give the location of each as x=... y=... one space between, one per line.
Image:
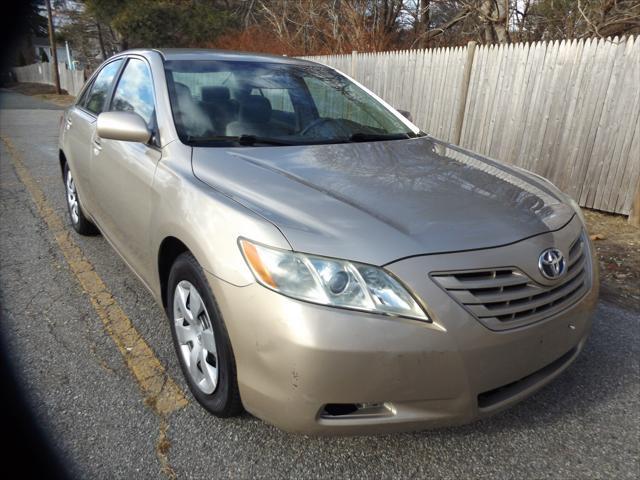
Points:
x=84 y=389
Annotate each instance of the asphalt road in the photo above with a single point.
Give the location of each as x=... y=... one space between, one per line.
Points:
x=586 y=424
x=12 y=100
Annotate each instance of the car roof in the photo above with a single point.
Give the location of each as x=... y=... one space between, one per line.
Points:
x=229 y=55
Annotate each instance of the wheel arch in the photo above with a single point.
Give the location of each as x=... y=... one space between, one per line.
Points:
x=62 y=158
x=170 y=248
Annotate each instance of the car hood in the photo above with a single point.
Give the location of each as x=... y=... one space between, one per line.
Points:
x=377 y=202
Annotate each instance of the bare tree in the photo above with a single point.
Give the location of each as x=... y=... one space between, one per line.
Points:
x=422 y=24
x=492 y=16
x=337 y=26
x=331 y=25
x=553 y=19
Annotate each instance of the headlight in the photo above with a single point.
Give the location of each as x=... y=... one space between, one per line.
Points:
x=328 y=281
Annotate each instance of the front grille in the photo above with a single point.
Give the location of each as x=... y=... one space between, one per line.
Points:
x=503 y=298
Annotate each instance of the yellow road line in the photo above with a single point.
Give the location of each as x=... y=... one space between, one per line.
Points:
x=160 y=391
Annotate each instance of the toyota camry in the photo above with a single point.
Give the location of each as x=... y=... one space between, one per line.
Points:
x=323 y=263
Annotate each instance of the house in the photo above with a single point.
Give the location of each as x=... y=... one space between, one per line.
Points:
x=42 y=52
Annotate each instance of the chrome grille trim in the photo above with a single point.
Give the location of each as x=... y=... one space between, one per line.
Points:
x=505 y=297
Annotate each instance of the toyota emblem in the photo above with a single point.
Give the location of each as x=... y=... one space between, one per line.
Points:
x=552 y=263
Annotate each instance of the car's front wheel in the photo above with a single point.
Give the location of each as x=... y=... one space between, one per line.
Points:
x=79 y=221
x=200 y=339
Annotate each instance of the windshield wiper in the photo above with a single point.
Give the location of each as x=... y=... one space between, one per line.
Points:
x=245 y=140
x=375 y=137
x=250 y=140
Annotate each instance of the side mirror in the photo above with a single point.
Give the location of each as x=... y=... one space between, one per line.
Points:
x=406 y=114
x=125 y=126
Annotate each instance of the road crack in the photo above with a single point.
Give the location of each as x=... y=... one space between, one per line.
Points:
x=162 y=450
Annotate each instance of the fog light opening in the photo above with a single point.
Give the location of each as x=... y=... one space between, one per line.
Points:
x=339 y=409
x=356 y=410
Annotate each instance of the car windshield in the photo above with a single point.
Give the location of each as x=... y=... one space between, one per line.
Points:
x=269 y=103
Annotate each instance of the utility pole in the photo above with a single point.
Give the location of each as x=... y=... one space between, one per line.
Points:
x=54 y=50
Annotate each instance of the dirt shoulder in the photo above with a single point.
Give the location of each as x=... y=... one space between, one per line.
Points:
x=618 y=246
x=43 y=92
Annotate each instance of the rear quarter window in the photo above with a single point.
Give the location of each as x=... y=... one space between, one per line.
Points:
x=82 y=100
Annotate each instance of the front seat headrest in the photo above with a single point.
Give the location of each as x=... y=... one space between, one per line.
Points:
x=215 y=94
x=255 y=109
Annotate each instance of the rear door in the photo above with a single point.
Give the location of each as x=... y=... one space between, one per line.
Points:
x=122 y=172
x=80 y=127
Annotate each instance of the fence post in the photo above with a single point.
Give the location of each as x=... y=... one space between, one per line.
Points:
x=464 y=90
x=634 y=216
x=354 y=54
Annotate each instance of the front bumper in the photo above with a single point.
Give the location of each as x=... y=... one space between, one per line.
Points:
x=293 y=358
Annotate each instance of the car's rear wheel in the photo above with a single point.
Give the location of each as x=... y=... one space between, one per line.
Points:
x=200 y=339
x=79 y=221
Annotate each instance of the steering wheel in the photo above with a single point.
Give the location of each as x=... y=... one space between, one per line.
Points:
x=315 y=123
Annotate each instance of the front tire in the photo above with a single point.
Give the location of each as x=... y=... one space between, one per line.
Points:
x=201 y=340
x=79 y=221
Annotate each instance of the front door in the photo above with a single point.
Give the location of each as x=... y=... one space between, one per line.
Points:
x=80 y=128
x=122 y=173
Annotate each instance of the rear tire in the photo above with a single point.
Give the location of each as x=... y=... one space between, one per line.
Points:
x=201 y=340
x=79 y=221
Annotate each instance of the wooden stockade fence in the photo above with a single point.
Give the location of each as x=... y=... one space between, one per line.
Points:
x=568 y=110
x=70 y=80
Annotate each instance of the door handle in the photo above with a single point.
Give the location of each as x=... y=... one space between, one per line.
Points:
x=97 y=146
x=69 y=123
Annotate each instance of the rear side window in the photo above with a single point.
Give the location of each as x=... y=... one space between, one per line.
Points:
x=101 y=85
x=134 y=92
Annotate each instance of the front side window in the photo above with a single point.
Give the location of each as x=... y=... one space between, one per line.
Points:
x=218 y=101
x=134 y=92
x=97 y=97
x=347 y=103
